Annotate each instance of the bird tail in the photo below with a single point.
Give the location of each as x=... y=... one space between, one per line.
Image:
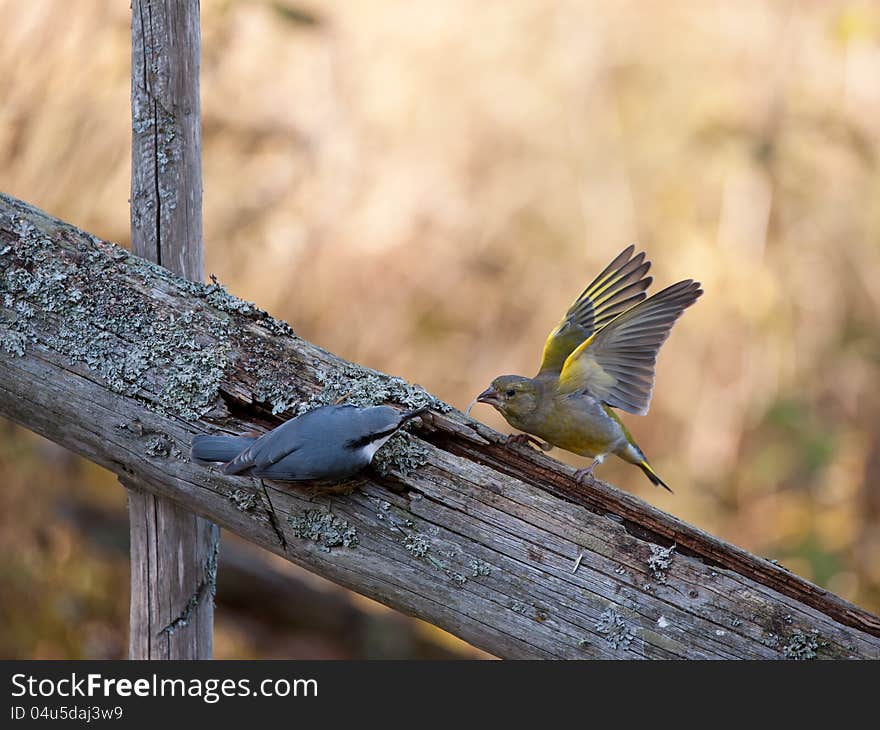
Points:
x=652 y=475
x=211 y=449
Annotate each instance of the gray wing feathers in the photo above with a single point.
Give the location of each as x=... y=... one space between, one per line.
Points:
x=627 y=348
x=616 y=289
x=218 y=448
x=269 y=449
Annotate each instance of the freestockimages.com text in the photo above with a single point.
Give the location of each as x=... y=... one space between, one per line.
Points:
x=209 y=690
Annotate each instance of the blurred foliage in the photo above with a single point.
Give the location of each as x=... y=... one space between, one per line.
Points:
x=423 y=187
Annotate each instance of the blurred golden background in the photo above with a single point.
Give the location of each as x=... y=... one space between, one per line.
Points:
x=423 y=187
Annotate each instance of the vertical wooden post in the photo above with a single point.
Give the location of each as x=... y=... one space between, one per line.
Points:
x=173 y=552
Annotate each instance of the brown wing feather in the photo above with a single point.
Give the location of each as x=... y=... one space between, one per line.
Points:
x=616 y=364
x=620 y=286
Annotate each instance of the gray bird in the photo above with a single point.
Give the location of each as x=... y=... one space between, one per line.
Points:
x=328 y=444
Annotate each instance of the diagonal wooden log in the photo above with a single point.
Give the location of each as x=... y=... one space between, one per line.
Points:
x=121 y=361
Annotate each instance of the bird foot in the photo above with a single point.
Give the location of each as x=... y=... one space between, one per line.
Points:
x=585 y=475
x=273 y=518
x=523 y=439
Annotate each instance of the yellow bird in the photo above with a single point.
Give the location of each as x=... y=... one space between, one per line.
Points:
x=601 y=356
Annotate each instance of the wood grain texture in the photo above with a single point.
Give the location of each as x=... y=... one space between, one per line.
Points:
x=123 y=362
x=166 y=171
x=173 y=552
x=275 y=602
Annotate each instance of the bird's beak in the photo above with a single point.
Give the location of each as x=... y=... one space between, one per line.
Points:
x=490 y=396
x=404 y=417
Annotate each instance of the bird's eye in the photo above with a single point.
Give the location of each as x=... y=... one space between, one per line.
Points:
x=510 y=393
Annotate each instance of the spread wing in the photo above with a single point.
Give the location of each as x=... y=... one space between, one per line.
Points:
x=616 y=364
x=621 y=285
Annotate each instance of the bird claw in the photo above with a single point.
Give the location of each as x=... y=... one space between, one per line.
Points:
x=581 y=474
x=273 y=518
x=585 y=475
x=524 y=439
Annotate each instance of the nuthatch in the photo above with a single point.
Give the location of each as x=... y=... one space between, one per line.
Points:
x=328 y=444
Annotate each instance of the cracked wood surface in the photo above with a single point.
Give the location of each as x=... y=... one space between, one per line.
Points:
x=123 y=362
x=173 y=551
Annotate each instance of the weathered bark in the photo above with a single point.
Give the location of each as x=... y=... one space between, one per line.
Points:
x=166 y=143
x=256 y=592
x=173 y=551
x=123 y=362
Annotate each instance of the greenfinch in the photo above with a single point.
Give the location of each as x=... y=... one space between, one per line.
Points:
x=601 y=356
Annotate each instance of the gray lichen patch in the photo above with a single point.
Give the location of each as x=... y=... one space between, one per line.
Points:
x=243 y=499
x=402 y=454
x=277 y=381
x=615 y=630
x=194 y=380
x=84 y=305
x=362 y=387
x=382 y=507
x=660 y=561
x=159 y=445
x=325 y=528
x=533 y=611
x=802 y=646
x=12 y=341
x=280 y=396
x=420 y=548
x=417 y=545
x=217 y=296
x=458 y=578
x=519 y=607
x=479 y=567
